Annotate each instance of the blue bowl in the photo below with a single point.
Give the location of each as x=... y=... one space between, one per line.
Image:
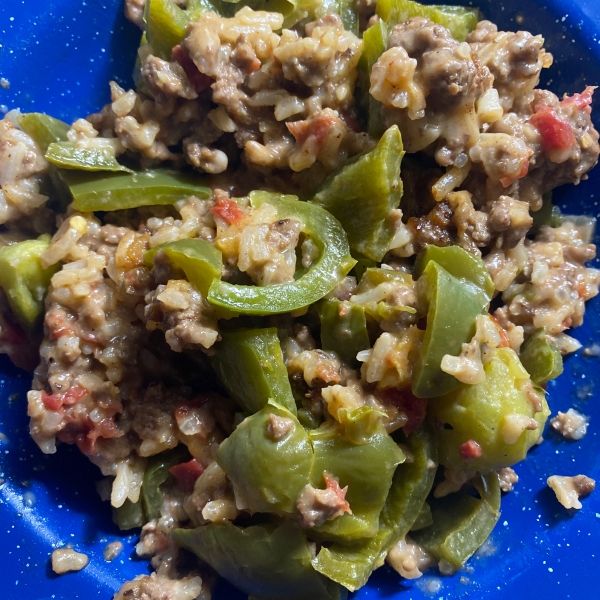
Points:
x=58 y=56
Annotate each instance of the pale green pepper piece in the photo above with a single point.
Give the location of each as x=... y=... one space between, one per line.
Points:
x=453 y=308
x=461 y=523
x=343 y=329
x=332 y=265
x=460 y=20
x=118 y=191
x=129 y=516
x=363 y=457
x=488 y=413
x=541 y=357
x=362 y=194
x=374 y=45
x=156 y=473
x=166 y=25
x=24 y=280
x=268 y=471
x=463 y=265
x=68 y=156
x=44 y=130
x=201 y=261
x=350 y=563
x=250 y=365
x=425 y=518
x=267 y=563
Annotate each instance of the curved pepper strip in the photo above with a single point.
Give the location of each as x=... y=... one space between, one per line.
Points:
x=447 y=329
x=166 y=25
x=250 y=366
x=332 y=265
x=201 y=261
x=343 y=329
x=460 y=20
x=25 y=281
x=458 y=262
x=266 y=563
x=156 y=473
x=351 y=563
x=461 y=523
x=374 y=45
x=362 y=194
x=541 y=357
x=68 y=156
x=268 y=472
x=44 y=130
x=118 y=191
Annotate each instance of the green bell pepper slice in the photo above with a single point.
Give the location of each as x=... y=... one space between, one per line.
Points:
x=332 y=265
x=156 y=473
x=461 y=523
x=479 y=412
x=268 y=472
x=267 y=563
x=362 y=194
x=425 y=518
x=363 y=456
x=541 y=357
x=453 y=308
x=44 y=129
x=166 y=25
x=250 y=365
x=68 y=156
x=343 y=329
x=463 y=265
x=118 y=191
x=351 y=563
x=25 y=281
x=460 y=20
x=129 y=516
x=375 y=40
x=201 y=261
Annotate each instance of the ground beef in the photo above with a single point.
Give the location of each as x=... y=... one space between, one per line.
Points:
x=515 y=59
x=318 y=506
x=429 y=84
x=186 y=318
x=552 y=289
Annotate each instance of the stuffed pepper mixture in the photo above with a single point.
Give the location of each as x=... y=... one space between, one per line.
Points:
x=298 y=293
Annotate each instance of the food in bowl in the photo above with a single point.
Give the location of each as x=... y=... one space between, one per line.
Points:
x=304 y=287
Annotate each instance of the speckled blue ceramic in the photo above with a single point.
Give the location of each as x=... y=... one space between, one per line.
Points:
x=58 y=56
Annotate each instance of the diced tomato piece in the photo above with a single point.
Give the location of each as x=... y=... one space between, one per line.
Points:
x=581 y=101
x=187 y=473
x=317 y=128
x=333 y=484
x=404 y=400
x=51 y=402
x=74 y=394
x=556 y=133
x=228 y=210
x=470 y=449
x=199 y=81
x=71 y=396
x=506 y=181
